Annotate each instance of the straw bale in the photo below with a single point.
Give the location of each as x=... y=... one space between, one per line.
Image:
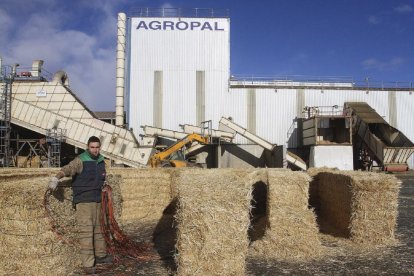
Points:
x=34 y=162
x=24 y=224
x=33 y=249
x=22 y=161
x=292 y=232
x=314 y=172
x=314 y=200
x=26 y=229
x=212 y=221
x=145 y=193
x=7 y=173
x=115 y=182
x=360 y=205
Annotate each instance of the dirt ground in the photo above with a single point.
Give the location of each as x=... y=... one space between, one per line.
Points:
x=343 y=257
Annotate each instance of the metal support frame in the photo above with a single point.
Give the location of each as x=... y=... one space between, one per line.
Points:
x=54 y=138
x=6 y=80
x=206 y=130
x=36 y=148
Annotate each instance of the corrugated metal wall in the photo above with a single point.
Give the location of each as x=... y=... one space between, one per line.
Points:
x=192 y=70
x=277 y=110
x=182 y=77
x=405 y=119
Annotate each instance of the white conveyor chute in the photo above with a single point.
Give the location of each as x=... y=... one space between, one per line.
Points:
x=290 y=157
x=41 y=106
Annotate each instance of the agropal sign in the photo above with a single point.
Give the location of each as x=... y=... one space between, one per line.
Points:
x=179 y=25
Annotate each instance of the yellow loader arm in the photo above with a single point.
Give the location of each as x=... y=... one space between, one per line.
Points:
x=159 y=157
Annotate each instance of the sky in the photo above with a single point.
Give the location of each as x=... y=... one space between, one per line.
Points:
x=356 y=39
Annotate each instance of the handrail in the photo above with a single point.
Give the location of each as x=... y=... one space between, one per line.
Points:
x=179 y=12
x=302 y=80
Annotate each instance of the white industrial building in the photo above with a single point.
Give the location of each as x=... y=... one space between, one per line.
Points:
x=173 y=69
x=178 y=72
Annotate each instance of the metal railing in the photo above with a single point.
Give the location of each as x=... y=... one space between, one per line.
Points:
x=179 y=12
x=332 y=111
x=24 y=73
x=318 y=81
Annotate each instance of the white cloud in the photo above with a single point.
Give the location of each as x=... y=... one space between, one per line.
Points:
x=404 y=8
x=396 y=61
x=167 y=5
x=86 y=53
x=299 y=57
x=373 y=19
x=6 y=22
x=390 y=65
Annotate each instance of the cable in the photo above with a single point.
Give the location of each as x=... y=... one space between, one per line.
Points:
x=117 y=242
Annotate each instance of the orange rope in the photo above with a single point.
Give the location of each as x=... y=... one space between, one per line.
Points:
x=118 y=244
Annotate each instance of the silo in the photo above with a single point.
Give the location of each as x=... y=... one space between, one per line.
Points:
x=178 y=66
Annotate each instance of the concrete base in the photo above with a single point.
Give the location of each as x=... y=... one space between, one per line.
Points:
x=332 y=156
x=250 y=156
x=240 y=156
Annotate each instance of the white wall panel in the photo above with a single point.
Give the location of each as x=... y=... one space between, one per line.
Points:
x=179 y=106
x=276 y=112
x=235 y=106
x=179 y=54
x=405 y=121
x=215 y=100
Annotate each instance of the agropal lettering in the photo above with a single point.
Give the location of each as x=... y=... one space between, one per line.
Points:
x=179 y=25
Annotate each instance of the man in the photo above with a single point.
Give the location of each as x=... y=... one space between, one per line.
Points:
x=88 y=176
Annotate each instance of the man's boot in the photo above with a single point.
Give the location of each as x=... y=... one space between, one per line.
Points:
x=89 y=270
x=104 y=260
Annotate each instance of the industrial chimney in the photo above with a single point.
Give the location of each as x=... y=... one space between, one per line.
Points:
x=36 y=68
x=120 y=70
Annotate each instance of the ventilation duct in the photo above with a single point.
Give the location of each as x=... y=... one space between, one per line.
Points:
x=61 y=77
x=36 y=68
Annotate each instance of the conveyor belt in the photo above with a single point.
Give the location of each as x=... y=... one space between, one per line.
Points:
x=389 y=147
x=40 y=106
x=290 y=157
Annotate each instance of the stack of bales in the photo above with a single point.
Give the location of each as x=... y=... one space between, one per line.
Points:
x=212 y=221
x=314 y=200
x=212 y=218
x=144 y=194
x=292 y=231
x=29 y=246
x=359 y=205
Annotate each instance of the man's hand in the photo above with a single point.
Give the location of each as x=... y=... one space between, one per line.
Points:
x=53 y=183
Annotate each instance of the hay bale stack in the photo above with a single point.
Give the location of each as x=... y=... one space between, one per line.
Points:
x=292 y=231
x=145 y=193
x=27 y=172
x=212 y=221
x=314 y=200
x=362 y=206
x=32 y=248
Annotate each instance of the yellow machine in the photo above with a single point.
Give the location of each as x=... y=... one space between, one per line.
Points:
x=170 y=157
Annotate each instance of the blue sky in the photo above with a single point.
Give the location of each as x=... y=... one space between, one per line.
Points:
x=342 y=38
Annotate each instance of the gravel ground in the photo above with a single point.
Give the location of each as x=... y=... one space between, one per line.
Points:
x=343 y=258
